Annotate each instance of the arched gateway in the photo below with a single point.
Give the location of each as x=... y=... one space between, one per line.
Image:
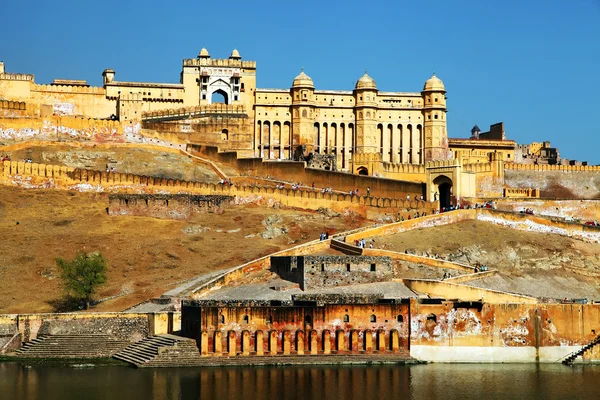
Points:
x=443 y=187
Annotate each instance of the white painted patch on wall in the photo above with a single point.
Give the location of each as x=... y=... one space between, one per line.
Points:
x=532 y=226
x=63 y=108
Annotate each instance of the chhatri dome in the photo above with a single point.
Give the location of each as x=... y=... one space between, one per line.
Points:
x=235 y=54
x=434 y=83
x=365 y=82
x=303 y=80
x=203 y=53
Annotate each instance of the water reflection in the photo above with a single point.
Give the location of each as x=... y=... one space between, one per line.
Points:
x=443 y=381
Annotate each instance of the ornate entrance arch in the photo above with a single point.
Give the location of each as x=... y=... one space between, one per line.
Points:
x=443 y=185
x=217 y=95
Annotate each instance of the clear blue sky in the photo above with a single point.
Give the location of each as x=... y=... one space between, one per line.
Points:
x=533 y=64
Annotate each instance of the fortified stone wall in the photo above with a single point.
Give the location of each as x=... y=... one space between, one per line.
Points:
x=40 y=175
x=57 y=128
x=125 y=326
x=556 y=181
x=584 y=210
x=295 y=171
x=481 y=332
x=323 y=271
x=443 y=331
x=165 y=206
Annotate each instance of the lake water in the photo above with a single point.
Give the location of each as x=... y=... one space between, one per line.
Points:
x=433 y=381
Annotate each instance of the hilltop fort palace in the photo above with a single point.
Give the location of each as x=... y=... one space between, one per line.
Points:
x=395 y=135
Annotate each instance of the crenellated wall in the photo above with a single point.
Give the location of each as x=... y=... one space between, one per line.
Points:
x=177 y=206
x=555 y=181
x=87 y=180
x=59 y=128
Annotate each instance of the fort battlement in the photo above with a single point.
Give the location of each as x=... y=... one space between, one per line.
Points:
x=13 y=105
x=521 y=193
x=66 y=177
x=191 y=112
x=212 y=62
x=564 y=168
x=16 y=77
x=84 y=123
x=478 y=167
x=404 y=168
x=68 y=89
x=177 y=206
x=443 y=163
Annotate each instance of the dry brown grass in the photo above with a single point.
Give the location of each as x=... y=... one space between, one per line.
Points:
x=147 y=256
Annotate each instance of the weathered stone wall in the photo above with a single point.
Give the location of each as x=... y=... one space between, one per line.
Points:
x=177 y=206
x=322 y=271
x=120 y=325
x=481 y=332
x=444 y=331
x=53 y=176
x=584 y=210
x=123 y=326
x=296 y=171
x=331 y=329
x=557 y=183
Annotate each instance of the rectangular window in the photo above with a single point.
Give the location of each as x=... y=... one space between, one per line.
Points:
x=373 y=267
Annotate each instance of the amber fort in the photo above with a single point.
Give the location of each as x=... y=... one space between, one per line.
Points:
x=370 y=167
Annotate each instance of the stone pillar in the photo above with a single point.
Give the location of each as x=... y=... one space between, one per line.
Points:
x=287 y=345
x=354 y=341
x=259 y=343
x=218 y=344
x=380 y=340
x=203 y=343
x=231 y=348
x=246 y=343
x=326 y=342
x=340 y=341
x=368 y=340
x=314 y=349
x=273 y=342
x=394 y=340
x=300 y=342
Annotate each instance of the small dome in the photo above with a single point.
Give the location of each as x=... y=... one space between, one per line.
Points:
x=365 y=82
x=434 y=83
x=235 y=54
x=303 y=80
x=203 y=53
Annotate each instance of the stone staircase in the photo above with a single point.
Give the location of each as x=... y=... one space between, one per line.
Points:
x=175 y=351
x=345 y=248
x=72 y=346
x=161 y=351
x=571 y=357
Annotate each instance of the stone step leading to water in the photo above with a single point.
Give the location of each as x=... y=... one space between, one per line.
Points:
x=72 y=346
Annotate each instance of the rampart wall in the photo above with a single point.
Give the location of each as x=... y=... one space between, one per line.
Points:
x=81 y=179
x=482 y=332
x=583 y=210
x=555 y=181
x=178 y=206
x=127 y=326
x=295 y=171
x=59 y=128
